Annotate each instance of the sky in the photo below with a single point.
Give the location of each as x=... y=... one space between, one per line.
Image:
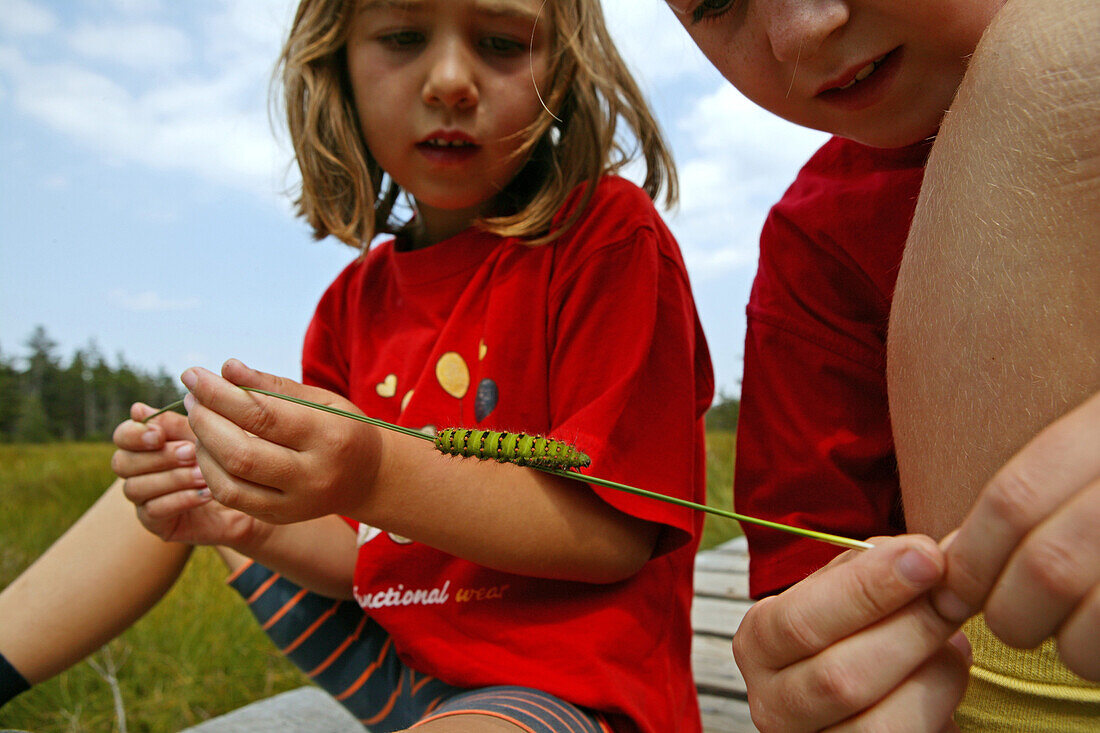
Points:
x=143 y=182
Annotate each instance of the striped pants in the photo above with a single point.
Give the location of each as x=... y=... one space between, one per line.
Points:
x=351 y=657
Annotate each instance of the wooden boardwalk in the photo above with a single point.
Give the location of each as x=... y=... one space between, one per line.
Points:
x=721 y=600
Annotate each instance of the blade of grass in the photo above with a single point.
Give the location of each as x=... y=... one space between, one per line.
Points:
x=832 y=539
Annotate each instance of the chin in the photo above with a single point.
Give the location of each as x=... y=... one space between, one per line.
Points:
x=897 y=137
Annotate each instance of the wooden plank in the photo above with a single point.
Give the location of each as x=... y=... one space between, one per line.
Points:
x=734 y=586
x=719 y=617
x=731 y=556
x=725 y=715
x=713 y=665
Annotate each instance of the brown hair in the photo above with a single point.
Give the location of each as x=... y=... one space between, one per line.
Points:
x=346 y=194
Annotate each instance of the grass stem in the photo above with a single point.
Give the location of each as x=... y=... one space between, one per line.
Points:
x=832 y=539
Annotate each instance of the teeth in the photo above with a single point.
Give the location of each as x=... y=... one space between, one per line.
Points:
x=863 y=73
x=441 y=143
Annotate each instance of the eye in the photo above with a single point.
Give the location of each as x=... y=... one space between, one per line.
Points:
x=502 y=46
x=709 y=10
x=402 y=39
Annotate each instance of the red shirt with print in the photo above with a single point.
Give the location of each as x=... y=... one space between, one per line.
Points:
x=593 y=339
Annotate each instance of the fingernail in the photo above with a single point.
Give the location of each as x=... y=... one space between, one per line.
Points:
x=188 y=402
x=196 y=476
x=917 y=568
x=189 y=378
x=948 y=605
x=960 y=642
x=946 y=541
x=204 y=493
x=150 y=438
x=185 y=453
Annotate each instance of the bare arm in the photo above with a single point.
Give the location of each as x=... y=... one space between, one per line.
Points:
x=995 y=333
x=286 y=463
x=318 y=554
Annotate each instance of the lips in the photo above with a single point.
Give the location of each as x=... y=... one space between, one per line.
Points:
x=447 y=146
x=863 y=73
x=856 y=75
x=863 y=85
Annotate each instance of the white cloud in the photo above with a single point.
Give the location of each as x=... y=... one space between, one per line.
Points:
x=149 y=301
x=735 y=162
x=652 y=42
x=140 y=46
x=21 y=17
x=213 y=124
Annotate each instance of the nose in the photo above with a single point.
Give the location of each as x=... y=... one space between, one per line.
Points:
x=797 y=28
x=451 y=79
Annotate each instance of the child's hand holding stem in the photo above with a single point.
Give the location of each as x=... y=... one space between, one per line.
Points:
x=277 y=462
x=858 y=642
x=282 y=463
x=157 y=459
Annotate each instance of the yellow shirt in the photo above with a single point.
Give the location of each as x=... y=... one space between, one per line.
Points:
x=1029 y=690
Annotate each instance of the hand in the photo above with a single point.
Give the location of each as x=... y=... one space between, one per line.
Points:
x=163 y=480
x=1028 y=553
x=275 y=460
x=813 y=656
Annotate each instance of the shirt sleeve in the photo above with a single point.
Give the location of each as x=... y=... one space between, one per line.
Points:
x=631 y=376
x=324 y=363
x=814 y=443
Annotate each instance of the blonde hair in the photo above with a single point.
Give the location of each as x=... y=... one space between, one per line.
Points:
x=344 y=192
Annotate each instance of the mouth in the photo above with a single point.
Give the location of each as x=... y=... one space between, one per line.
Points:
x=439 y=142
x=863 y=73
x=860 y=75
x=448 y=147
x=865 y=86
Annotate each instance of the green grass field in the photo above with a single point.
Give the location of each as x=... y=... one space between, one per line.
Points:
x=196 y=655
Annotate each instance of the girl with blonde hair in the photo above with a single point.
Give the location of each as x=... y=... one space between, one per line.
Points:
x=529 y=289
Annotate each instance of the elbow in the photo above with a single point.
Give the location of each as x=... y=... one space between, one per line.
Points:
x=621 y=558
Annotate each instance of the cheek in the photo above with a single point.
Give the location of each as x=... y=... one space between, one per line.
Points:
x=518 y=107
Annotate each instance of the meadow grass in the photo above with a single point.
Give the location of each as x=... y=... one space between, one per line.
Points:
x=199 y=653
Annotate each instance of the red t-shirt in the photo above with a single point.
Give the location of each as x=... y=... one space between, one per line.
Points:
x=593 y=338
x=814 y=443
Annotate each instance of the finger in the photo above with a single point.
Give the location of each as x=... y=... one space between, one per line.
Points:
x=844 y=598
x=238 y=373
x=173 y=424
x=134 y=436
x=1077 y=639
x=1056 y=464
x=925 y=701
x=853 y=674
x=142 y=489
x=298 y=424
x=171 y=505
x=176 y=454
x=260 y=501
x=1052 y=572
x=235 y=452
x=276 y=421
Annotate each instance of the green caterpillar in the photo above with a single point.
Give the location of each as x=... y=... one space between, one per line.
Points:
x=518 y=448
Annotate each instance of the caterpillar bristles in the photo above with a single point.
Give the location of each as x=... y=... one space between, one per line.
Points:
x=518 y=448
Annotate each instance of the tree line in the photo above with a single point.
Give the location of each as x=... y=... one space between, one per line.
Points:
x=44 y=398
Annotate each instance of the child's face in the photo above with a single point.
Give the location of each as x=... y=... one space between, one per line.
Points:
x=797 y=59
x=442 y=87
